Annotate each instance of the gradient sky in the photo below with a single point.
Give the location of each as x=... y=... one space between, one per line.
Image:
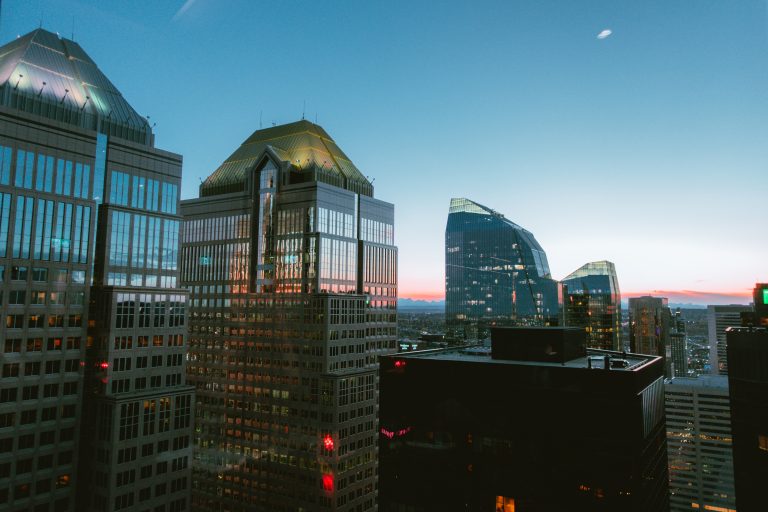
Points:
x=648 y=148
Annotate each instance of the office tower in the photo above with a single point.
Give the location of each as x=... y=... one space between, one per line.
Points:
x=293 y=278
x=699 y=444
x=496 y=273
x=649 y=325
x=748 y=383
x=719 y=318
x=679 y=345
x=73 y=155
x=546 y=424
x=592 y=300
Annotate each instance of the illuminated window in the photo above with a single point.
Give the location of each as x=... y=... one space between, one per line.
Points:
x=504 y=504
x=762 y=442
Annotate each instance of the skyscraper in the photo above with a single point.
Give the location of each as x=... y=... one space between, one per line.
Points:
x=699 y=444
x=496 y=273
x=719 y=318
x=74 y=156
x=649 y=326
x=292 y=272
x=591 y=299
x=537 y=423
x=679 y=345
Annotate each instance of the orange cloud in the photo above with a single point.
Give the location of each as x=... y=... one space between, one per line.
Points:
x=698 y=297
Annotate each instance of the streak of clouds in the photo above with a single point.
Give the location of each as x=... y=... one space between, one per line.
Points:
x=184 y=8
x=602 y=35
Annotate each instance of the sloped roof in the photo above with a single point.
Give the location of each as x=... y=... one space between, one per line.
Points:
x=593 y=268
x=303 y=144
x=54 y=77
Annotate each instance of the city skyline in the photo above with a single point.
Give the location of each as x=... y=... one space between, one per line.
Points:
x=657 y=114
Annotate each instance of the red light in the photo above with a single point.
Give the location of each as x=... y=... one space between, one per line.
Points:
x=328 y=442
x=327 y=482
x=104 y=365
x=399 y=363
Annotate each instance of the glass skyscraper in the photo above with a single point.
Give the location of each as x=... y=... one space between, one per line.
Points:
x=292 y=274
x=591 y=299
x=93 y=335
x=649 y=328
x=496 y=273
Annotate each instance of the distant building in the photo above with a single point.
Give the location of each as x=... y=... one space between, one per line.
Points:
x=496 y=273
x=649 y=328
x=537 y=423
x=699 y=444
x=679 y=345
x=719 y=318
x=592 y=300
x=760 y=298
x=748 y=382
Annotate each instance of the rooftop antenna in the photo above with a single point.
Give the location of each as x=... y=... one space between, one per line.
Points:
x=315 y=117
x=303 y=110
x=73 y=27
x=260 y=112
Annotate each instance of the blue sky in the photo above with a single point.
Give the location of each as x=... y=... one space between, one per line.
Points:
x=648 y=148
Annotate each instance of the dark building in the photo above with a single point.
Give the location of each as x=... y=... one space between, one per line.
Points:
x=292 y=275
x=748 y=383
x=88 y=256
x=649 y=327
x=539 y=423
x=592 y=300
x=678 y=341
x=496 y=273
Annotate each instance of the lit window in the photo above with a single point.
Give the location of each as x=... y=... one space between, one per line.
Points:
x=762 y=442
x=504 y=504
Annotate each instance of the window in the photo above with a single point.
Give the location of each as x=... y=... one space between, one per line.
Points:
x=118 y=192
x=762 y=442
x=12 y=345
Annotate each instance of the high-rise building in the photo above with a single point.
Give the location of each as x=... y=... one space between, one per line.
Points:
x=748 y=383
x=649 y=327
x=699 y=444
x=545 y=425
x=760 y=303
x=592 y=300
x=292 y=274
x=719 y=318
x=678 y=341
x=496 y=273
x=88 y=253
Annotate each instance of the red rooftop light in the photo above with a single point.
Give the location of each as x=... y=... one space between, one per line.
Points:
x=104 y=365
x=328 y=442
x=328 y=482
x=399 y=363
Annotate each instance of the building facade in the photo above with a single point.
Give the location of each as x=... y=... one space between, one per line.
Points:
x=292 y=274
x=649 y=328
x=544 y=425
x=496 y=273
x=68 y=140
x=719 y=318
x=678 y=340
x=748 y=385
x=592 y=300
x=699 y=444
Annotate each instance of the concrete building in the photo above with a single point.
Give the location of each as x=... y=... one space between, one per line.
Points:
x=73 y=156
x=719 y=318
x=699 y=444
x=292 y=272
x=537 y=423
x=748 y=384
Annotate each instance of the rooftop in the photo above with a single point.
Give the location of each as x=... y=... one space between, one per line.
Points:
x=475 y=354
x=47 y=75
x=304 y=146
x=702 y=381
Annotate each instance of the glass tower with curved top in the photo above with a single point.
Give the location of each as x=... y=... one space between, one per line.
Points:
x=496 y=273
x=592 y=300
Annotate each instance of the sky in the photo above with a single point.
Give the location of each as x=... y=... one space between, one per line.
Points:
x=646 y=146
